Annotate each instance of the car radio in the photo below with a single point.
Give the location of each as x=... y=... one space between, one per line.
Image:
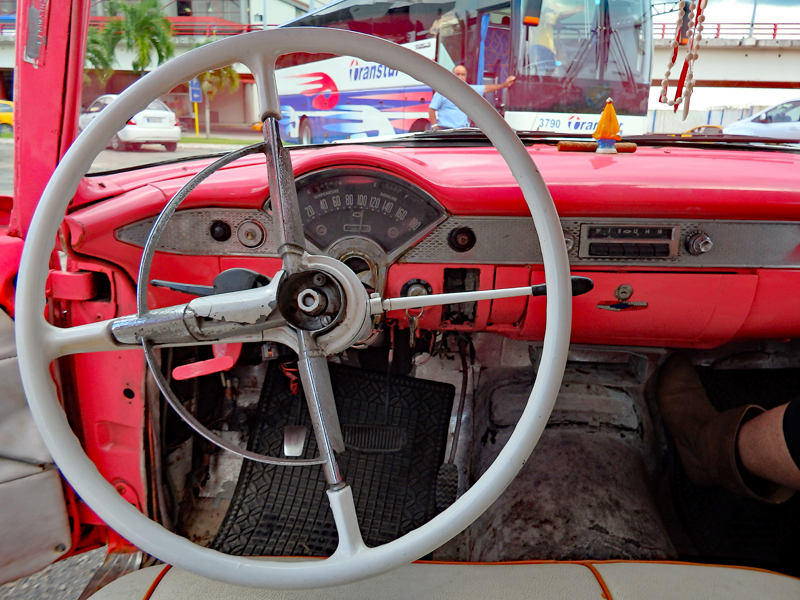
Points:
x=629 y=241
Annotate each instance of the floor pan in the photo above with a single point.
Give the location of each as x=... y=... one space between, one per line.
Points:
x=395 y=446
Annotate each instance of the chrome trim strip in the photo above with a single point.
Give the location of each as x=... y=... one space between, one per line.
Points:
x=501 y=240
x=188 y=233
x=513 y=240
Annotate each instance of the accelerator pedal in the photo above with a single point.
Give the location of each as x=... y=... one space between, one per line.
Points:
x=446 y=486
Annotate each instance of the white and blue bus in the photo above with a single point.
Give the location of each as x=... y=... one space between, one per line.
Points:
x=568 y=56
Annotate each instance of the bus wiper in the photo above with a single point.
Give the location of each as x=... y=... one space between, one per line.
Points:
x=539 y=135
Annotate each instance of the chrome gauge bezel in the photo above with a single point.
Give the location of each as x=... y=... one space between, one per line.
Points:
x=339 y=171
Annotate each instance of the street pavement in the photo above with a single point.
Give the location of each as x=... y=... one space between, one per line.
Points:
x=109 y=160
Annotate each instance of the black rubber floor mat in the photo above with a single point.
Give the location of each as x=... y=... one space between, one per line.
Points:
x=394 y=451
x=725 y=527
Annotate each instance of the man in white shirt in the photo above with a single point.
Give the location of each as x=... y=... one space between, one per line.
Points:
x=444 y=114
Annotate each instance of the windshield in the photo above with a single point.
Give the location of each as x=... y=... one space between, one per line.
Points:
x=548 y=66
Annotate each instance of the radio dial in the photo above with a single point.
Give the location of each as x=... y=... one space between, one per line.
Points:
x=699 y=243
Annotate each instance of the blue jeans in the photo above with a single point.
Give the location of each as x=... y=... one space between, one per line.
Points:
x=543 y=61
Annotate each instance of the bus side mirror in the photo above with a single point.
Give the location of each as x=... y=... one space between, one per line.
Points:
x=533 y=10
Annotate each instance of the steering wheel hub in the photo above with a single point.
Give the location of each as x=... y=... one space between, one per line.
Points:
x=311 y=300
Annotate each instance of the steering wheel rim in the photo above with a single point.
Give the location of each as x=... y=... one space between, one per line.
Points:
x=39 y=342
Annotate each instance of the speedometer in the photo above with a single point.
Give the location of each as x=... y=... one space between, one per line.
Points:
x=339 y=203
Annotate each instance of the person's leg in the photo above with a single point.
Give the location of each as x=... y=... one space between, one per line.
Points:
x=763 y=450
x=543 y=61
x=708 y=441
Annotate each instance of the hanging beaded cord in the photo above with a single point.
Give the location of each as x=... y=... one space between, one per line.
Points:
x=683 y=92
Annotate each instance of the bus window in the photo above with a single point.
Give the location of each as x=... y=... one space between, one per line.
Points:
x=494 y=49
x=575 y=38
x=449 y=33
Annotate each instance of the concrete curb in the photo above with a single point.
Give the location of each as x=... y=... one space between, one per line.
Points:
x=213 y=147
x=208 y=147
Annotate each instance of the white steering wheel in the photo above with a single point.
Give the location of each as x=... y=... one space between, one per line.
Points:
x=39 y=342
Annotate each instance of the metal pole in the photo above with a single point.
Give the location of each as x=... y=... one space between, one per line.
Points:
x=753 y=18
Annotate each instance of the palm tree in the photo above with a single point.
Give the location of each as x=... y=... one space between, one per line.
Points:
x=212 y=82
x=142 y=29
x=99 y=56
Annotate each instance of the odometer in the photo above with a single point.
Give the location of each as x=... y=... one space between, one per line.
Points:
x=338 y=203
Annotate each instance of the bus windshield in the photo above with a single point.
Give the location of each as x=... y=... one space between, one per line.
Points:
x=581 y=53
x=567 y=60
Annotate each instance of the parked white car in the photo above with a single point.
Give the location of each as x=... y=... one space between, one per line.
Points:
x=781 y=121
x=156 y=124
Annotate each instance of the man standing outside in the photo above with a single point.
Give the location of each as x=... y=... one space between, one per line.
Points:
x=444 y=114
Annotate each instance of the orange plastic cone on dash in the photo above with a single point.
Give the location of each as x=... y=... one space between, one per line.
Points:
x=607 y=130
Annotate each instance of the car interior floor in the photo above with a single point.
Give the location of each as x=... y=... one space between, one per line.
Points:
x=603 y=483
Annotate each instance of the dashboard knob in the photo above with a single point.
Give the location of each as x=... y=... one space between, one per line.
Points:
x=699 y=243
x=250 y=234
x=569 y=240
x=461 y=239
x=220 y=231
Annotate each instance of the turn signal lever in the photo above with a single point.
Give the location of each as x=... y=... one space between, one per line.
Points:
x=580 y=285
x=232 y=280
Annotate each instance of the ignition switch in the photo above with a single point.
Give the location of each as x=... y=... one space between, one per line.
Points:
x=416 y=287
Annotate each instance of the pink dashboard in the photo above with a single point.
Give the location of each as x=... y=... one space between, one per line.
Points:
x=687 y=247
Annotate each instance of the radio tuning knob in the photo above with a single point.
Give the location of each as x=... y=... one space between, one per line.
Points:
x=699 y=243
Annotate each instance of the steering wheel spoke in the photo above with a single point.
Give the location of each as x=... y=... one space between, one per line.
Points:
x=318 y=390
x=63 y=341
x=291 y=241
x=343 y=507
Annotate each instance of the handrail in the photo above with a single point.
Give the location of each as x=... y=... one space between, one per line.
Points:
x=182 y=26
x=204 y=27
x=717 y=31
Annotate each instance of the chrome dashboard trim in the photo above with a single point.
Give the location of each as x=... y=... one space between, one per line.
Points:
x=513 y=240
x=188 y=233
x=499 y=240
